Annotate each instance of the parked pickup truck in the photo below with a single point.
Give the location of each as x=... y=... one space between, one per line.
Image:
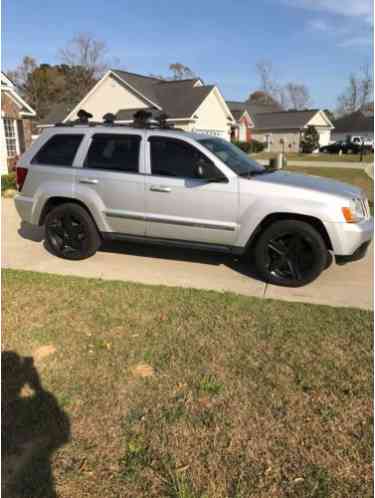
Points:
x=85 y=184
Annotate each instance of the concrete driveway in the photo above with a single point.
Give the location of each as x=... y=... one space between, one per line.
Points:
x=23 y=249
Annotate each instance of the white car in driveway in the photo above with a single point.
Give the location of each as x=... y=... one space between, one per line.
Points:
x=155 y=185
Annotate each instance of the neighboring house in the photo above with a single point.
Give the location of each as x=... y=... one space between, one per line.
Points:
x=241 y=131
x=359 y=123
x=15 y=124
x=189 y=104
x=283 y=129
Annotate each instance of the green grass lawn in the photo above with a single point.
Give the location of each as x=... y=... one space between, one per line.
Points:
x=298 y=156
x=294 y=156
x=184 y=393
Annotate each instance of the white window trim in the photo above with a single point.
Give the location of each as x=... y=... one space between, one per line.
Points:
x=16 y=138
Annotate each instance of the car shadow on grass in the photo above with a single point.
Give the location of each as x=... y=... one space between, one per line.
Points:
x=33 y=428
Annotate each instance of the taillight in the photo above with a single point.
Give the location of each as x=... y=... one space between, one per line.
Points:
x=21 y=174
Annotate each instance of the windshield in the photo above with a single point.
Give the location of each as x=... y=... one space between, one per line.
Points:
x=232 y=156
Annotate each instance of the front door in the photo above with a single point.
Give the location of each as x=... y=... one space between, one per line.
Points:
x=182 y=206
x=111 y=173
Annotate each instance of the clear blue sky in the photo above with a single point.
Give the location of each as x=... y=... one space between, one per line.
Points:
x=317 y=42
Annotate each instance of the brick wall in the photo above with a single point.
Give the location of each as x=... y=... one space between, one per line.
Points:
x=11 y=110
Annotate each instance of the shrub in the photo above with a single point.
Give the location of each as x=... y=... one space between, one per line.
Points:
x=8 y=181
x=250 y=147
x=310 y=140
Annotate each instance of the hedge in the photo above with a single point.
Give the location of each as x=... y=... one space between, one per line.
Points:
x=8 y=181
x=250 y=147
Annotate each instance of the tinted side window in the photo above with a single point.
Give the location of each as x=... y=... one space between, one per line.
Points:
x=114 y=152
x=172 y=157
x=59 y=150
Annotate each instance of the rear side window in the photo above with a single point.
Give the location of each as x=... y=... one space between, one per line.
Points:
x=114 y=152
x=60 y=150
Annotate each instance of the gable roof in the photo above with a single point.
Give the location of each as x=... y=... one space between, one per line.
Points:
x=180 y=100
x=252 y=108
x=284 y=119
x=355 y=122
x=8 y=88
x=272 y=117
x=5 y=80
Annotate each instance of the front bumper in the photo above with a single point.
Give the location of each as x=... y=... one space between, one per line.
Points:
x=347 y=238
x=360 y=253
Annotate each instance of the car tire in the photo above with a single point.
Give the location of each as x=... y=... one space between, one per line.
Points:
x=71 y=233
x=290 y=253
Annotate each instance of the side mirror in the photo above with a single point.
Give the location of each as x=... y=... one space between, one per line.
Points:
x=206 y=171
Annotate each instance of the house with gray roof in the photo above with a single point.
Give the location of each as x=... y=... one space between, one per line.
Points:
x=283 y=129
x=189 y=104
x=359 y=123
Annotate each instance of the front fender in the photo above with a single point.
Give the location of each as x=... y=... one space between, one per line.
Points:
x=253 y=214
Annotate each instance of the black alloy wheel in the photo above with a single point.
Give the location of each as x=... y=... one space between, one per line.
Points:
x=291 y=253
x=71 y=232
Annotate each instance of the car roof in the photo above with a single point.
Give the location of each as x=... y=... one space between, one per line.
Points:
x=63 y=129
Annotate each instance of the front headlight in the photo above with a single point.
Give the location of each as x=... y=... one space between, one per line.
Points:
x=355 y=212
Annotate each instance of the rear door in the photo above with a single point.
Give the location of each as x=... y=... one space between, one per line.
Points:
x=53 y=163
x=181 y=206
x=112 y=171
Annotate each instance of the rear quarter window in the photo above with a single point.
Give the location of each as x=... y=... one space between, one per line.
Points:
x=59 y=150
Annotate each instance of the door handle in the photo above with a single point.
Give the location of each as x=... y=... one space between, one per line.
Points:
x=160 y=188
x=91 y=181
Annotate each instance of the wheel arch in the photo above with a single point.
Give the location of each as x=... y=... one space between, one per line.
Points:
x=55 y=201
x=273 y=217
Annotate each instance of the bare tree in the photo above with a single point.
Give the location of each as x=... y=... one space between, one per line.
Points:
x=21 y=73
x=268 y=83
x=359 y=92
x=85 y=51
x=180 y=72
x=297 y=96
x=85 y=57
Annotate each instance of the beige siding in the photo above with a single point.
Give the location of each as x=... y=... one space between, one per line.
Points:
x=111 y=96
x=318 y=120
x=212 y=117
x=291 y=139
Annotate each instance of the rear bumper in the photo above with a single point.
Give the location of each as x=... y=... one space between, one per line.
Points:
x=347 y=238
x=24 y=206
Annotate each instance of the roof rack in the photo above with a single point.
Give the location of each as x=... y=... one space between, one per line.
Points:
x=141 y=120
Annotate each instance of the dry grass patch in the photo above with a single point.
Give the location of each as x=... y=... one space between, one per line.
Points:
x=192 y=394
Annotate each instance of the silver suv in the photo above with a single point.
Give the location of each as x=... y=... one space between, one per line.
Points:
x=88 y=183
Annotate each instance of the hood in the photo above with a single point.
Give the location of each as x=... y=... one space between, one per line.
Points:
x=309 y=182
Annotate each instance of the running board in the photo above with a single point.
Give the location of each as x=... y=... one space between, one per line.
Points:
x=202 y=246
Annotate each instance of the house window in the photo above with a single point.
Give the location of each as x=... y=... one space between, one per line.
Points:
x=11 y=137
